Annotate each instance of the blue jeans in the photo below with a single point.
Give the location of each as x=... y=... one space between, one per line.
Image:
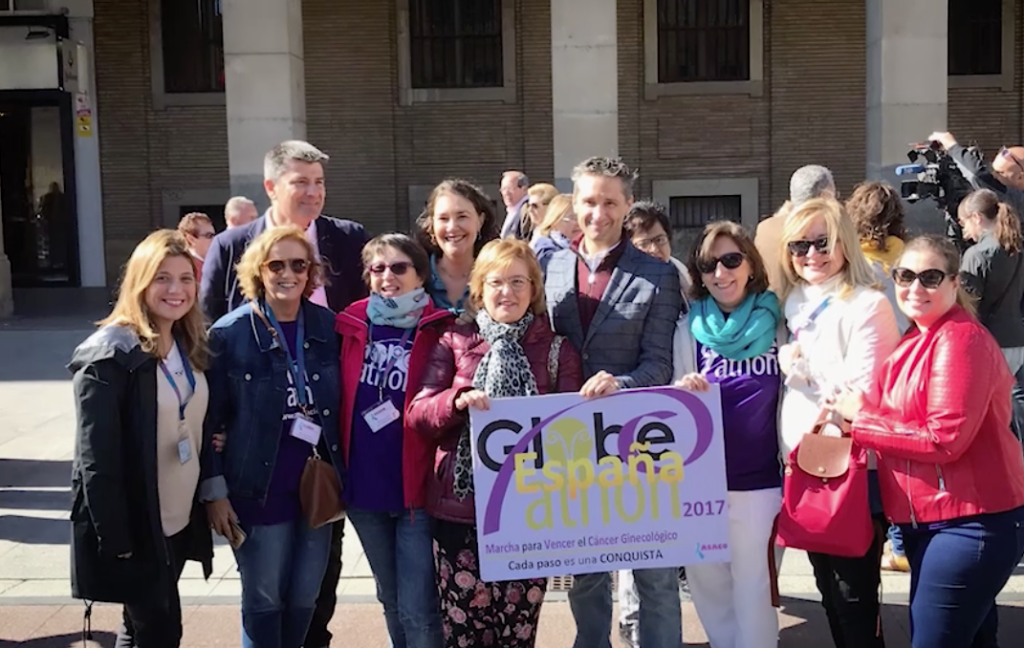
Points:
x=896 y=538
x=955 y=575
x=281 y=566
x=399 y=547
x=661 y=622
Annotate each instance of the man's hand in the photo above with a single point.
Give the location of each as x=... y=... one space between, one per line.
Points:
x=945 y=139
x=220 y=513
x=600 y=384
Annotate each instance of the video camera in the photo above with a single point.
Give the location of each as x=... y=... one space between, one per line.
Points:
x=937 y=177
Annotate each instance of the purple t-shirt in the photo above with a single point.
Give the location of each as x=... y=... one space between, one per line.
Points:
x=750 y=400
x=375 y=458
x=282 y=502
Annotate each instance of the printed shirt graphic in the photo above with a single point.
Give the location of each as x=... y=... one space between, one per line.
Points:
x=750 y=398
x=375 y=458
x=282 y=503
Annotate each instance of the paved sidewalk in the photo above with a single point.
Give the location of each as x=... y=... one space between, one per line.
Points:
x=36 y=447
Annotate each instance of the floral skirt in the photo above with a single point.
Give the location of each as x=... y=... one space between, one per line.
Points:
x=476 y=612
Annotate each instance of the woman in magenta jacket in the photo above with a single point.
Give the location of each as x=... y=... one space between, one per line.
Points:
x=951 y=471
x=385 y=342
x=507 y=351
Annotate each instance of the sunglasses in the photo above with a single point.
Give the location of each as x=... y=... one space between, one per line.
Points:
x=930 y=279
x=802 y=248
x=399 y=268
x=277 y=266
x=731 y=261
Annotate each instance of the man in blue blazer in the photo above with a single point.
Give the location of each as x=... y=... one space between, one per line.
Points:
x=619 y=307
x=293 y=177
x=294 y=180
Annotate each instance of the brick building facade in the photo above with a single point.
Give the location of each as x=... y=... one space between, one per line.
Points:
x=763 y=87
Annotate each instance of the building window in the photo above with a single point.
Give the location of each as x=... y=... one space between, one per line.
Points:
x=703 y=40
x=690 y=214
x=456 y=43
x=192 y=40
x=976 y=45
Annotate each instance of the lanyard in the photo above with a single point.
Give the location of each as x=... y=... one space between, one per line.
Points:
x=182 y=402
x=296 y=366
x=391 y=361
x=813 y=316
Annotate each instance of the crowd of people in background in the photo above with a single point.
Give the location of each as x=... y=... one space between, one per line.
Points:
x=235 y=368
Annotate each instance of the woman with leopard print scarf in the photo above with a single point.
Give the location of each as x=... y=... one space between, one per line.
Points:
x=508 y=351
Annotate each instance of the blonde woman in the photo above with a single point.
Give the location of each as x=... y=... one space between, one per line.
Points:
x=557 y=230
x=275 y=394
x=141 y=397
x=841 y=329
x=538 y=198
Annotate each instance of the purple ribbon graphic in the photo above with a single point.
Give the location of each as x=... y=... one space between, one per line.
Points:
x=703 y=424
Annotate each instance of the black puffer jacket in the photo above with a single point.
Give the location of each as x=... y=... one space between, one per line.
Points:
x=116 y=508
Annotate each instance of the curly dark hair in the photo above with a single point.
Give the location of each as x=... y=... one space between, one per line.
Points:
x=482 y=203
x=877 y=211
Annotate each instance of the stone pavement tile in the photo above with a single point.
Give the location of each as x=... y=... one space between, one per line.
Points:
x=63 y=627
x=50 y=588
x=36 y=561
x=361 y=587
x=228 y=587
x=8 y=584
x=20 y=623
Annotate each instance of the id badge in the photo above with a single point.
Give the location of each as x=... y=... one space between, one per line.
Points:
x=306 y=430
x=184 y=450
x=380 y=415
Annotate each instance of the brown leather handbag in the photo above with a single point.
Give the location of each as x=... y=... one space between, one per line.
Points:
x=320 y=492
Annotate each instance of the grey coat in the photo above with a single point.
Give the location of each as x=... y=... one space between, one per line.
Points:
x=631 y=334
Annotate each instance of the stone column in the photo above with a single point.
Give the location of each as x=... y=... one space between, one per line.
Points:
x=265 y=86
x=907 y=87
x=584 y=83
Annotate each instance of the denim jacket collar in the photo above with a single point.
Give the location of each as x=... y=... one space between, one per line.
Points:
x=314 y=329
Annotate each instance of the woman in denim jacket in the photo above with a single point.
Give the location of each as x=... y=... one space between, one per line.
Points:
x=275 y=395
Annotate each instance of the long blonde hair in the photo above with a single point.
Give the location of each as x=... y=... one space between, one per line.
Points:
x=559 y=207
x=131 y=309
x=856 y=272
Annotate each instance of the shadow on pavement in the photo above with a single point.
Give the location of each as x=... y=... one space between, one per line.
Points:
x=32 y=530
x=34 y=473
x=34 y=500
x=99 y=639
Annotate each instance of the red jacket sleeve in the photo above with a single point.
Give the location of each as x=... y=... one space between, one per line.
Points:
x=958 y=396
x=570 y=369
x=432 y=411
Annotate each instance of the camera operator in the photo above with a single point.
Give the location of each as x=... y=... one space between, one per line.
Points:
x=1005 y=175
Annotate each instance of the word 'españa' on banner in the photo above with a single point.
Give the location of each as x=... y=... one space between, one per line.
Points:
x=565 y=485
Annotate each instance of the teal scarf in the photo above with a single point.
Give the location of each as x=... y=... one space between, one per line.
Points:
x=748 y=332
x=402 y=312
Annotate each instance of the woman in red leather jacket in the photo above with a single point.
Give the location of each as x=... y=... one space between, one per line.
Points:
x=951 y=471
x=509 y=351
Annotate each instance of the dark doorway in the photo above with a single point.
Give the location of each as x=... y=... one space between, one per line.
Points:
x=37 y=190
x=215 y=212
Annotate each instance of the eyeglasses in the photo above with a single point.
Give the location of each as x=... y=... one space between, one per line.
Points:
x=204 y=235
x=930 y=279
x=398 y=268
x=659 y=241
x=277 y=266
x=803 y=247
x=518 y=284
x=731 y=261
x=1005 y=152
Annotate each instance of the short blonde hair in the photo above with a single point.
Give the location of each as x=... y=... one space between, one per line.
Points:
x=250 y=268
x=559 y=206
x=856 y=272
x=131 y=310
x=498 y=256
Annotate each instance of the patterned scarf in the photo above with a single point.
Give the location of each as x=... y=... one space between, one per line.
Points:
x=402 y=312
x=503 y=371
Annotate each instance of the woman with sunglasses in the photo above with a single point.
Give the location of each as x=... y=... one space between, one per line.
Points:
x=458 y=221
x=952 y=476
x=385 y=342
x=557 y=230
x=729 y=338
x=508 y=351
x=842 y=328
x=538 y=200
x=275 y=395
